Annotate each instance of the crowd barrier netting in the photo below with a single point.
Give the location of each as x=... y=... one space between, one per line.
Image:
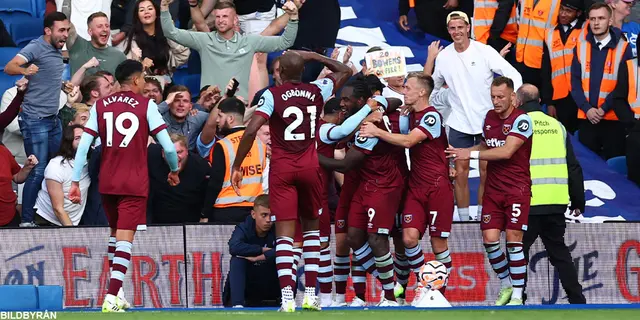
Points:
x=185 y=266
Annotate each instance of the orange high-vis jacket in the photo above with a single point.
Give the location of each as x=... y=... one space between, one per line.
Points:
x=609 y=76
x=483 y=14
x=561 y=57
x=633 y=97
x=532 y=31
x=252 y=168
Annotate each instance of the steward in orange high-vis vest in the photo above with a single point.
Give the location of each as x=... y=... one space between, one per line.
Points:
x=594 y=75
x=494 y=22
x=556 y=63
x=536 y=17
x=222 y=203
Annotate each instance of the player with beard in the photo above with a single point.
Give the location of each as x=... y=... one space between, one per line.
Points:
x=295 y=178
x=429 y=199
x=507 y=133
x=375 y=203
x=124 y=121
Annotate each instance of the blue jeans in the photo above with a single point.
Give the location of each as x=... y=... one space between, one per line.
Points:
x=42 y=137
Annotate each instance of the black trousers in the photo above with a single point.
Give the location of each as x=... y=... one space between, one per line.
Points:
x=551 y=228
x=529 y=75
x=251 y=284
x=633 y=154
x=607 y=138
x=567 y=113
x=231 y=214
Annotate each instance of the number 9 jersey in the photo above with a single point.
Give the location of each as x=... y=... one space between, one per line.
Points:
x=124 y=121
x=293 y=111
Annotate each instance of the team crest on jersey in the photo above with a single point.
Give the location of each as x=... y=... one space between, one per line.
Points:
x=430 y=120
x=340 y=224
x=486 y=218
x=506 y=128
x=408 y=218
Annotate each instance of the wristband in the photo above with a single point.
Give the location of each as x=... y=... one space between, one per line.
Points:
x=475 y=155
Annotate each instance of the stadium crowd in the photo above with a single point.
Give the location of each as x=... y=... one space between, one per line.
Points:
x=570 y=58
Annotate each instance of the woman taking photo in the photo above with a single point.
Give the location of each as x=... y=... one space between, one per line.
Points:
x=53 y=204
x=145 y=39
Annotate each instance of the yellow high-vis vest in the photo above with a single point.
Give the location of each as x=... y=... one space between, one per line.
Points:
x=252 y=168
x=548 y=163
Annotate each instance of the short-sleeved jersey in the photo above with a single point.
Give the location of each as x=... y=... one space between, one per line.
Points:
x=327 y=150
x=428 y=159
x=381 y=164
x=512 y=175
x=124 y=121
x=293 y=110
x=400 y=152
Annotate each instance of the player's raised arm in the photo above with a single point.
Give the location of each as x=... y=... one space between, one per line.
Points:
x=331 y=133
x=340 y=71
x=89 y=134
x=521 y=131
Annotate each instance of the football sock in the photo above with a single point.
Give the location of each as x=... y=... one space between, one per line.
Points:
x=479 y=213
x=311 y=256
x=517 y=268
x=341 y=273
x=415 y=257
x=384 y=265
x=463 y=213
x=111 y=252
x=444 y=257
x=365 y=256
x=359 y=278
x=325 y=271
x=297 y=255
x=121 y=259
x=402 y=269
x=284 y=263
x=498 y=262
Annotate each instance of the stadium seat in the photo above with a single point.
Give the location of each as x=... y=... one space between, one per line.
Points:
x=39 y=6
x=6 y=54
x=18 y=7
x=25 y=30
x=191 y=81
x=7 y=81
x=618 y=164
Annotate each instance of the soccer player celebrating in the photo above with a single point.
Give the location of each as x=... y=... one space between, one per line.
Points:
x=507 y=142
x=295 y=177
x=123 y=121
x=374 y=206
x=429 y=199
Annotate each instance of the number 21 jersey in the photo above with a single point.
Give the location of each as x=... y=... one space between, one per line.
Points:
x=124 y=121
x=293 y=110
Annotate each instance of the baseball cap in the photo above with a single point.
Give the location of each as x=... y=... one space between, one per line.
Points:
x=381 y=100
x=573 y=4
x=454 y=14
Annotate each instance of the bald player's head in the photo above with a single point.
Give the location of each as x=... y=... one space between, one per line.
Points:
x=291 y=66
x=527 y=92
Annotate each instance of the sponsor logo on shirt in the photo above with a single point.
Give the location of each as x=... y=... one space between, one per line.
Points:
x=494 y=143
x=430 y=120
x=523 y=125
x=361 y=139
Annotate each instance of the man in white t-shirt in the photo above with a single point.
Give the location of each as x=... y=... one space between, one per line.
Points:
x=468 y=68
x=82 y=9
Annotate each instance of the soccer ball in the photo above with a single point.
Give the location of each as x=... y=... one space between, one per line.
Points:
x=433 y=275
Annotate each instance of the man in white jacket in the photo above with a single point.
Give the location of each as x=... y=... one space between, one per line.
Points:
x=468 y=67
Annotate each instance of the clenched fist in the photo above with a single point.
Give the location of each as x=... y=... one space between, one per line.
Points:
x=31 y=70
x=32 y=161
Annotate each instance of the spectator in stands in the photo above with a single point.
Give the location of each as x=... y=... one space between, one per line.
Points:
x=494 y=23
x=222 y=204
x=536 y=17
x=556 y=72
x=179 y=117
x=394 y=88
x=81 y=50
x=252 y=276
x=630 y=29
x=83 y=9
x=10 y=171
x=550 y=200
x=146 y=39
x=225 y=52
x=5 y=37
x=208 y=98
x=182 y=203
x=39 y=124
x=254 y=15
x=430 y=15
x=152 y=89
x=54 y=206
x=596 y=61
x=468 y=68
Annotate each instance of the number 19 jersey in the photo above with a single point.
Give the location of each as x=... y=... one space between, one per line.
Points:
x=124 y=121
x=293 y=110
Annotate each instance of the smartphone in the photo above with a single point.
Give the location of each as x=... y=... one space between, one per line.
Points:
x=234 y=88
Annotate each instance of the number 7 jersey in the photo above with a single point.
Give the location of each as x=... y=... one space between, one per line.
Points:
x=124 y=121
x=293 y=111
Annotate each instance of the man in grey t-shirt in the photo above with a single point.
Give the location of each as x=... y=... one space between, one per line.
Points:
x=179 y=117
x=41 y=63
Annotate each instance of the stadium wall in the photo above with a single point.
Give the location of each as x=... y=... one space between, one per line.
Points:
x=185 y=266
